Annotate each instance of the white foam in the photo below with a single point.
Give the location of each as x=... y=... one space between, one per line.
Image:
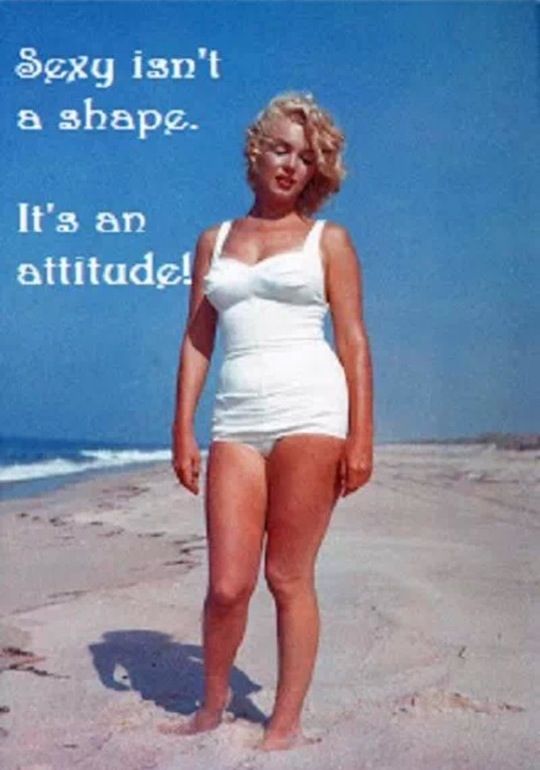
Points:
x=96 y=459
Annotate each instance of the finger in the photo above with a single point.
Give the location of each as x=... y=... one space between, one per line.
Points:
x=348 y=489
x=192 y=486
x=194 y=483
x=186 y=478
x=342 y=475
x=179 y=474
x=356 y=479
x=196 y=472
x=349 y=481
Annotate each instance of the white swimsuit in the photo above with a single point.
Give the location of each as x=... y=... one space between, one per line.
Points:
x=279 y=375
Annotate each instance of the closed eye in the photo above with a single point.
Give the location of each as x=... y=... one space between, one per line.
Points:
x=306 y=159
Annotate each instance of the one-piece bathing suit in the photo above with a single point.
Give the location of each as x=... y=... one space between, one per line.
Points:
x=279 y=375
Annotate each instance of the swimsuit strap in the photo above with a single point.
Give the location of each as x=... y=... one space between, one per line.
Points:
x=314 y=237
x=220 y=239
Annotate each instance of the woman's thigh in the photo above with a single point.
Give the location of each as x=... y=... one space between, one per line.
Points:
x=303 y=487
x=235 y=503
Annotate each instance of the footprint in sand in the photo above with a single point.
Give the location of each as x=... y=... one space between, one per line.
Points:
x=14 y=657
x=130 y=490
x=112 y=532
x=441 y=701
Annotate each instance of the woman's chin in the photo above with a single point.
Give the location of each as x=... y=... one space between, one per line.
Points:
x=283 y=194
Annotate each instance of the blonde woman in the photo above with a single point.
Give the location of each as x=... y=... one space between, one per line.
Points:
x=292 y=424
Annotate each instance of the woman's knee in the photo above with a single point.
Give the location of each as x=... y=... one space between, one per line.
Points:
x=285 y=586
x=229 y=594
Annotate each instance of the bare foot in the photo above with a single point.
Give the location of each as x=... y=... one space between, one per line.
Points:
x=201 y=721
x=284 y=741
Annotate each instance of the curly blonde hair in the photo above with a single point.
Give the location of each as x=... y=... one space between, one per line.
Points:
x=325 y=138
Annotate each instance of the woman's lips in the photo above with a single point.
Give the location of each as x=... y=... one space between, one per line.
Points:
x=285 y=182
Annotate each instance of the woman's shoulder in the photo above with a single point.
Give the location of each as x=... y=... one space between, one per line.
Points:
x=207 y=238
x=209 y=234
x=335 y=237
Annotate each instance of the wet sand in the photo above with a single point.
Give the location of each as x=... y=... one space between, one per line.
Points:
x=428 y=582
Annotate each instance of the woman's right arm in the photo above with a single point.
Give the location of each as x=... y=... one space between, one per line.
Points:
x=195 y=354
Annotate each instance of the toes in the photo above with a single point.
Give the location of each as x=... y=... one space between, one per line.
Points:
x=197 y=724
x=283 y=743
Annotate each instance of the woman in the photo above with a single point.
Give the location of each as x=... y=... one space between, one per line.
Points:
x=292 y=424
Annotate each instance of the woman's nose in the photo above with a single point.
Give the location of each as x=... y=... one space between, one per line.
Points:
x=289 y=161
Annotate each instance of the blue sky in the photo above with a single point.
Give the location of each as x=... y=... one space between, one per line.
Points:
x=439 y=104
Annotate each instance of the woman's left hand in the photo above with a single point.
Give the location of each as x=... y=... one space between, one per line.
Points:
x=356 y=465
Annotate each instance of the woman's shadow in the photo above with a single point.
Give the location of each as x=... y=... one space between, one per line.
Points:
x=166 y=672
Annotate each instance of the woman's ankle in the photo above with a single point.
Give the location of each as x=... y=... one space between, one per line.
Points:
x=281 y=728
x=216 y=703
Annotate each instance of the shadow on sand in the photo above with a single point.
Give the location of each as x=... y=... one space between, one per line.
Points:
x=164 y=671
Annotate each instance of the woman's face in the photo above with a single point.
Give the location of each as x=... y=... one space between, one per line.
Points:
x=287 y=161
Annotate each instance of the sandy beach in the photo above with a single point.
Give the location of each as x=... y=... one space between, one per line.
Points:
x=428 y=656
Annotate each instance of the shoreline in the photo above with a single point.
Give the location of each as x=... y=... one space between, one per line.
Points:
x=46 y=485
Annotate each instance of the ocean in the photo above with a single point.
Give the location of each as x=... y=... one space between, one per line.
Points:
x=30 y=467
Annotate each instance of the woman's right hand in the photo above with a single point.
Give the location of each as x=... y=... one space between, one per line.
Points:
x=186 y=460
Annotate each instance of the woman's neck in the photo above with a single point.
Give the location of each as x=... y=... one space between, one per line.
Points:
x=262 y=209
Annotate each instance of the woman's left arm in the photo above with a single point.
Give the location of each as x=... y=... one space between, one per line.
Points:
x=344 y=290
